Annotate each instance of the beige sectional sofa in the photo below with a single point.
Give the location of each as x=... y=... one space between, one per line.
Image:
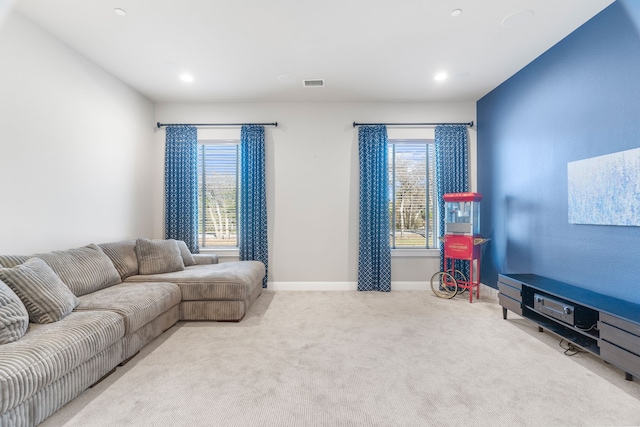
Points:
x=95 y=308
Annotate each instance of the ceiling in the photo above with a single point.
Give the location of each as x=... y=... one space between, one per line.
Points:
x=261 y=50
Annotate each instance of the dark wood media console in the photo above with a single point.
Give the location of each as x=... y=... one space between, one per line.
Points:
x=605 y=326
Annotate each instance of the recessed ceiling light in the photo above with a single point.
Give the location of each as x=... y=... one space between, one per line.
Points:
x=518 y=18
x=441 y=76
x=119 y=11
x=186 y=77
x=456 y=12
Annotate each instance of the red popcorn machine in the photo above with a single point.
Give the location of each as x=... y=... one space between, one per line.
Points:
x=462 y=241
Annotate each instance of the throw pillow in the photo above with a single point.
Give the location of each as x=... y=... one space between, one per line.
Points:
x=158 y=256
x=12 y=260
x=187 y=257
x=14 y=318
x=83 y=270
x=123 y=256
x=45 y=296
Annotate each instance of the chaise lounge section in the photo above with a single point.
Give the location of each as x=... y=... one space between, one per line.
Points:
x=209 y=291
x=101 y=304
x=221 y=292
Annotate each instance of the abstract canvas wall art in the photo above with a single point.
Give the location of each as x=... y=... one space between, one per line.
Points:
x=605 y=190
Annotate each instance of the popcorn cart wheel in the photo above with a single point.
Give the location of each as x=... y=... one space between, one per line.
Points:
x=444 y=284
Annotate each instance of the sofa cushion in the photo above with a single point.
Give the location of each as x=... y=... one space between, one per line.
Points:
x=205 y=258
x=227 y=281
x=49 y=351
x=187 y=256
x=158 y=256
x=45 y=296
x=123 y=256
x=84 y=270
x=9 y=261
x=137 y=303
x=14 y=318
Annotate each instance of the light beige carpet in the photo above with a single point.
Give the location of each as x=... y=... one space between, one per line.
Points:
x=336 y=358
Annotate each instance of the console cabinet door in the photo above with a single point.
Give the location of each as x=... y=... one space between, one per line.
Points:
x=510 y=294
x=620 y=343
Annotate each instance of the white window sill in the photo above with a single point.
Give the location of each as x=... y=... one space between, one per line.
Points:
x=415 y=253
x=401 y=253
x=219 y=249
x=222 y=252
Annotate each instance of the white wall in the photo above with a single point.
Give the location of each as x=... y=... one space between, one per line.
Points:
x=312 y=182
x=81 y=162
x=76 y=148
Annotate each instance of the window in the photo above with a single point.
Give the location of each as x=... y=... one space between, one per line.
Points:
x=218 y=179
x=412 y=192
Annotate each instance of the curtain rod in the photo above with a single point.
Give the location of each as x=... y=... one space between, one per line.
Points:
x=215 y=124
x=470 y=124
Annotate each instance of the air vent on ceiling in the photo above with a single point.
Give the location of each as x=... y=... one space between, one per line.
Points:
x=313 y=83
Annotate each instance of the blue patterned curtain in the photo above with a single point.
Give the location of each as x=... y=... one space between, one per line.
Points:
x=252 y=226
x=452 y=174
x=374 y=259
x=181 y=185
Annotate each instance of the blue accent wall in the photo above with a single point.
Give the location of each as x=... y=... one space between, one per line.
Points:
x=578 y=100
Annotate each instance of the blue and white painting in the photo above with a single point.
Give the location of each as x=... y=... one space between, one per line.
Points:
x=605 y=190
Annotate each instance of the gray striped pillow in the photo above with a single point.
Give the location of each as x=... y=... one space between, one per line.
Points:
x=45 y=296
x=12 y=260
x=83 y=270
x=158 y=256
x=187 y=256
x=14 y=318
x=123 y=256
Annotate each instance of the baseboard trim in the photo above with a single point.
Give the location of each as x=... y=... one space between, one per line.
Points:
x=485 y=291
x=342 y=286
x=488 y=292
x=312 y=286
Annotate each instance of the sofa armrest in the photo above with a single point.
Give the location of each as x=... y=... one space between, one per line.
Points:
x=205 y=259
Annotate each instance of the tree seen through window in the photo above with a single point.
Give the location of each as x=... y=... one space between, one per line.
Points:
x=217 y=194
x=412 y=194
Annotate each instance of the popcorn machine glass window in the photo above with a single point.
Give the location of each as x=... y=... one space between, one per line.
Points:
x=462 y=213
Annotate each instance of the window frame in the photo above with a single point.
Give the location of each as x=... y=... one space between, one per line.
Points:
x=431 y=202
x=229 y=250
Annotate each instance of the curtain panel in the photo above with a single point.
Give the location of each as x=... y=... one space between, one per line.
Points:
x=252 y=226
x=374 y=257
x=452 y=171
x=181 y=185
